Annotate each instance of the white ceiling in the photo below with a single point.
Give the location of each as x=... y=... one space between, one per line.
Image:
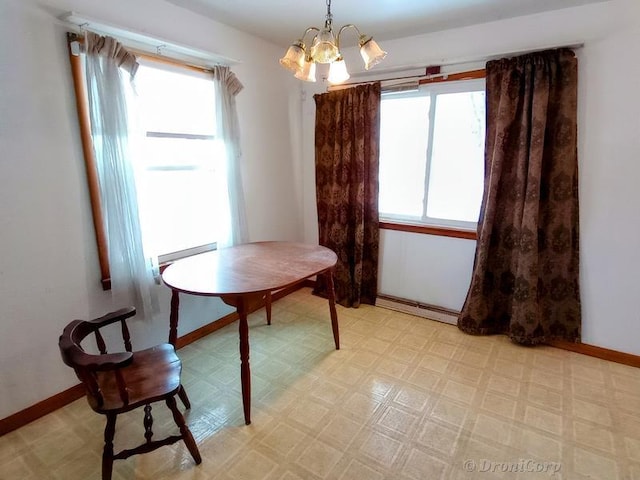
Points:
x=283 y=21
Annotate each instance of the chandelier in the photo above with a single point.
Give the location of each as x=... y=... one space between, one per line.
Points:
x=325 y=48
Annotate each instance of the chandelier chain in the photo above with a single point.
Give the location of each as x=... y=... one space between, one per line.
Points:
x=329 y=20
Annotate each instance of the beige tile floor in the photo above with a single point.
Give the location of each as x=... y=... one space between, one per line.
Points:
x=405 y=398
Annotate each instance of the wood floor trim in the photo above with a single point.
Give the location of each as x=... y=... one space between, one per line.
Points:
x=598 y=352
x=40 y=409
x=582 y=348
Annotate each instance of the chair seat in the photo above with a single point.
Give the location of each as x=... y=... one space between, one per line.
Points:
x=152 y=375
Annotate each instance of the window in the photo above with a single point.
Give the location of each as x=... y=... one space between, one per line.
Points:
x=180 y=165
x=432 y=154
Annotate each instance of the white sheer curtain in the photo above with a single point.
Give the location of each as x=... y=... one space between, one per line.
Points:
x=227 y=87
x=132 y=275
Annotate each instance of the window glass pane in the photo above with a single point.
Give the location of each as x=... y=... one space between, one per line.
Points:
x=179 y=193
x=457 y=162
x=175 y=102
x=404 y=128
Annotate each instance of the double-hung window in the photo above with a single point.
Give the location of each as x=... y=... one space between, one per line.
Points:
x=432 y=154
x=180 y=166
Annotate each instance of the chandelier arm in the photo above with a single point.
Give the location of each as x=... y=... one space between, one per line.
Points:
x=344 y=27
x=310 y=29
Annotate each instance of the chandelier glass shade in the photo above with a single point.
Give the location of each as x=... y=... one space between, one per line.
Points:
x=338 y=72
x=308 y=71
x=325 y=48
x=370 y=52
x=295 y=57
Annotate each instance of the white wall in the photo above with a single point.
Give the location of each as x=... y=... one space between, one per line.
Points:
x=437 y=270
x=49 y=271
x=439 y=267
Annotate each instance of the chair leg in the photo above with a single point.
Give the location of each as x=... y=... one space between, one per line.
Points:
x=184 y=430
x=148 y=423
x=182 y=393
x=107 y=453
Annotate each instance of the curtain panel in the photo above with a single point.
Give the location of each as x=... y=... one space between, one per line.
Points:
x=347 y=157
x=227 y=87
x=132 y=275
x=525 y=275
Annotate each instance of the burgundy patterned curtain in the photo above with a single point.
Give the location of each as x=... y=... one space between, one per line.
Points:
x=525 y=277
x=347 y=147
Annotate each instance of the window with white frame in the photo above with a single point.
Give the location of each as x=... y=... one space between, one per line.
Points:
x=180 y=169
x=432 y=154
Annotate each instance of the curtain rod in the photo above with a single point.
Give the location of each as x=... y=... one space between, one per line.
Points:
x=496 y=56
x=145 y=42
x=427 y=75
x=421 y=78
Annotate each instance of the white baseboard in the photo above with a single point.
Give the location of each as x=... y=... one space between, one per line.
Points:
x=420 y=310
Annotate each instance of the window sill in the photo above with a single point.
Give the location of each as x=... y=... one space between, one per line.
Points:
x=106 y=282
x=430 y=230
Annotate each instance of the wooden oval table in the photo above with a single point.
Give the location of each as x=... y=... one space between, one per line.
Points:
x=244 y=276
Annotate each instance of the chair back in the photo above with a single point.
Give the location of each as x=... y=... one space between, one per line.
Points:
x=88 y=366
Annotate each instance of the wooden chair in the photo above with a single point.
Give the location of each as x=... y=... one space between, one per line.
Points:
x=119 y=382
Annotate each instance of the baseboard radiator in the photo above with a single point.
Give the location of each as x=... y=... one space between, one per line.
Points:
x=418 y=309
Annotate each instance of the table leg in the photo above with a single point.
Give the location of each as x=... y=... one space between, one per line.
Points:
x=245 y=372
x=244 y=303
x=267 y=306
x=173 y=338
x=331 y=295
x=173 y=318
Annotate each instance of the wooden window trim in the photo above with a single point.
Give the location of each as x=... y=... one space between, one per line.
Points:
x=170 y=61
x=430 y=230
x=454 y=77
x=82 y=107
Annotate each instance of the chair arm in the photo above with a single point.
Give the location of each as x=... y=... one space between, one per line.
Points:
x=109 y=361
x=113 y=317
